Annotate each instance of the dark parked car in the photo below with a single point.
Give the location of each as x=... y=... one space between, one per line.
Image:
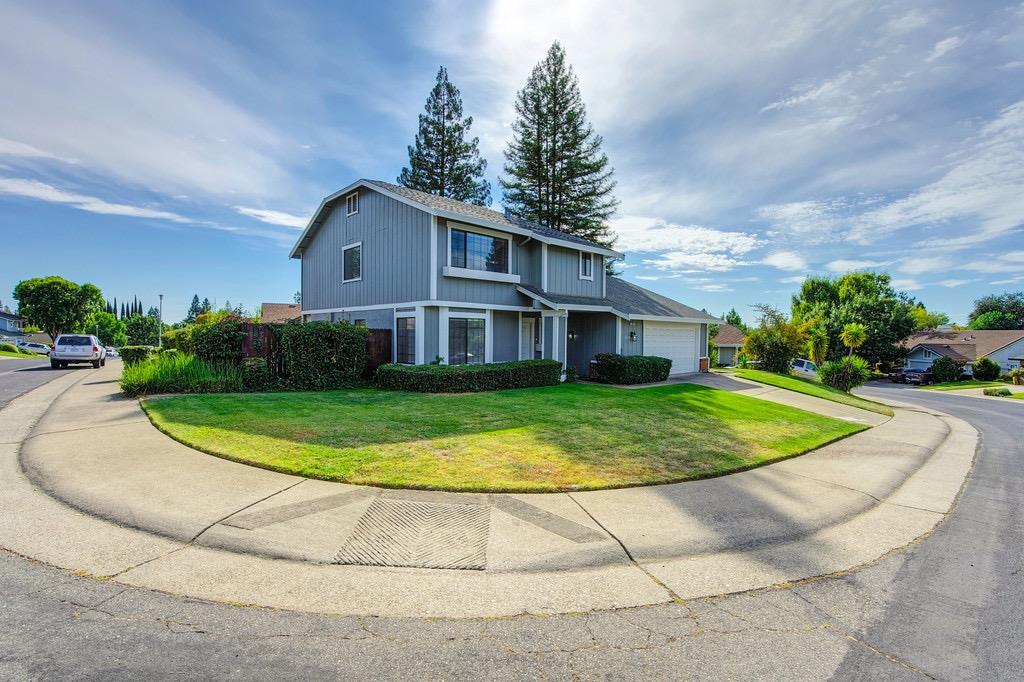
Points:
x=918 y=377
x=898 y=377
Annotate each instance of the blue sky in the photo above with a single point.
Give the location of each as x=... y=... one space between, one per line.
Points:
x=178 y=148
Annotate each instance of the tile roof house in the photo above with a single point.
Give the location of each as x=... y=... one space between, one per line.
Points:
x=729 y=341
x=1005 y=346
x=471 y=285
x=280 y=312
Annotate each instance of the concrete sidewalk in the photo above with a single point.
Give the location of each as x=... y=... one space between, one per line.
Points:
x=185 y=522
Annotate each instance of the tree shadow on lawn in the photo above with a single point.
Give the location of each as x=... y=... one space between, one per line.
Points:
x=560 y=437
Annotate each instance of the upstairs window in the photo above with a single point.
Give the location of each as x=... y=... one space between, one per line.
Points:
x=475 y=251
x=586 y=265
x=352 y=203
x=352 y=262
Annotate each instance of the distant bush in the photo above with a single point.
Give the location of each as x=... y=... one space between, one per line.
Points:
x=612 y=368
x=180 y=338
x=1017 y=376
x=469 y=378
x=256 y=375
x=775 y=343
x=169 y=351
x=999 y=392
x=946 y=369
x=219 y=343
x=324 y=355
x=985 y=369
x=131 y=355
x=846 y=373
x=9 y=348
x=178 y=373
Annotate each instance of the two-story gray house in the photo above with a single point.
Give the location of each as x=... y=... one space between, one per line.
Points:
x=471 y=285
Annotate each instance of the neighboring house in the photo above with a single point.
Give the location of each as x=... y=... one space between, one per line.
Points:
x=1004 y=346
x=729 y=341
x=280 y=312
x=471 y=285
x=10 y=324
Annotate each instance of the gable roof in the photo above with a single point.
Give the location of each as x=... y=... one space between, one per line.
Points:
x=963 y=352
x=445 y=207
x=624 y=299
x=728 y=335
x=9 y=316
x=280 y=312
x=984 y=342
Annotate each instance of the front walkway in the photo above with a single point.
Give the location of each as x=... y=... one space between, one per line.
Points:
x=147 y=511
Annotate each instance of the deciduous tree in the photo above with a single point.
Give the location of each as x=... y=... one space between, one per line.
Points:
x=57 y=305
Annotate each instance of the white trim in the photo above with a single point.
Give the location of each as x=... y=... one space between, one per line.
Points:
x=413 y=304
x=433 y=257
x=543 y=267
x=591 y=275
x=669 y=318
x=604 y=280
x=417 y=315
x=353 y=245
x=355 y=196
x=489 y=337
x=618 y=337
x=421 y=336
x=468 y=273
x=458 y=217
x=519 y=320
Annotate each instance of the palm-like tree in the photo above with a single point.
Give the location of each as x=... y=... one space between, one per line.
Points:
x=853 y=336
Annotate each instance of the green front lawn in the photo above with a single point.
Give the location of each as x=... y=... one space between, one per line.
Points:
x=21 y=356
x=811 y=387
x=959 y=385
x=568 y=437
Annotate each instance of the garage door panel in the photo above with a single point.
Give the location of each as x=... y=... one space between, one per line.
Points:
x=677 y=342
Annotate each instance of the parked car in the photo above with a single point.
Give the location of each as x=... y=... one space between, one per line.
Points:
x=917 y=377
x=71 y=349
x=40 y=348
x=111 y=352
x=804 y=368
x=898 y=376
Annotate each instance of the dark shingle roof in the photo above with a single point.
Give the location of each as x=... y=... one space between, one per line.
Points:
x=472 y=211
x=985 y=341
x=628 y=298
x=964 y=352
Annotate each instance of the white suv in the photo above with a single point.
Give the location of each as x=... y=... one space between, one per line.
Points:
x=70 y=349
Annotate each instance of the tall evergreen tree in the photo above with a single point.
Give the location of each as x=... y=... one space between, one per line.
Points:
x=557 y=174
x=194 y=310
x=207 y=306
x=123 y=315
x=442 y=160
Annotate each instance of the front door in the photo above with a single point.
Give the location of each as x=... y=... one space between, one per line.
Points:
x=526 y=339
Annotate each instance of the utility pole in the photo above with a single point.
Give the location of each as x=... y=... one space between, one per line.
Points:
x=160 y=338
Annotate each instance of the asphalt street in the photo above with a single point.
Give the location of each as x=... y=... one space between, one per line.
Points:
x=19 y=376
x=947 y=607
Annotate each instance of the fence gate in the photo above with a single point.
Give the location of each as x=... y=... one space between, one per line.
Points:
x=378 y=350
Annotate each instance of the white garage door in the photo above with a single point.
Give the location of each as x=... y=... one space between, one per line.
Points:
x=675 y=341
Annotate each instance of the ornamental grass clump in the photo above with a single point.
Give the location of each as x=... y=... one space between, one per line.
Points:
x=179 y=373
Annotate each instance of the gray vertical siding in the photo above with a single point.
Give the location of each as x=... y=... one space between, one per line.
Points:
x=383 y=318
x=395 y=260
x=474 y=290
x=505 y=342
x=431 y=320
x=632 y=347
x=529 y=262
x=564 y=273
x=595 y=333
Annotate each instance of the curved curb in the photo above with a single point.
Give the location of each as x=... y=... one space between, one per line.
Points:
x=639 y=574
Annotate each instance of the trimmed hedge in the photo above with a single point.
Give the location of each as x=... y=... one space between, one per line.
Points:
x=630 y=369
x=999 y=392
x=220 y=343
x=256 y=375
x=9 y=348
x=131 y=355
x=469 y=378
x=946 y=369
x=324 y=355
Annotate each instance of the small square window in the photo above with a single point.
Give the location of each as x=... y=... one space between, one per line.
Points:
x=352 y=263
x=352 y=203
x=586 y=265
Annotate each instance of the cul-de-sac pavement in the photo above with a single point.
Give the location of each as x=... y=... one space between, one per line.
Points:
x=892 y=553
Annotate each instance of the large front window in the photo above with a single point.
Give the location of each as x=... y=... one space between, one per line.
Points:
x=475 y=251
x=466 y=341
x=405 y=340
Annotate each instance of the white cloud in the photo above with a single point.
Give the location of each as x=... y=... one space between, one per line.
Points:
x=953 y=283
x=1011 y=280
x=274 y=217
x=1011 y=261
x=795 y=279
x=686 y=248
x=814 y=222
x=920 y=265
x=647 y=278
x=714 y=288
x=785 y=260
x=33 y=189
x=943 y=47
x=851 y=264
x=15 y=148
x=906 y=284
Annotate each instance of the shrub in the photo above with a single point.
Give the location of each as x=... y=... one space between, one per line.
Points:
x=611 y=368
x=169 y=351
x=324 y=355
x=256 y=375
x=180 y=338
x=985 y=369
x=131 y=355
x=946 y=369
x=999 y=392
x=220 y=343
x=846 y=373
x=469 y=378
x=1017 y=376
x=178 y=373
x=8 y=348
x=775 y=345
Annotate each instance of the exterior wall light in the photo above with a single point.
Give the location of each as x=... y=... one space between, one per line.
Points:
x=572 y=334
x=632 y=337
